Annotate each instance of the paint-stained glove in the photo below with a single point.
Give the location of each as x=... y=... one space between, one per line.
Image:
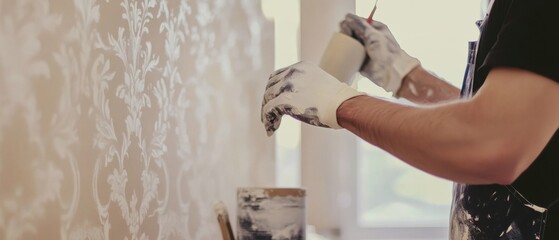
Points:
x=305 y=92
x=386 y=64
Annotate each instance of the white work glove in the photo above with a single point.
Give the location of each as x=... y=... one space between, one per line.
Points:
x=305 y=92
x=386 y=64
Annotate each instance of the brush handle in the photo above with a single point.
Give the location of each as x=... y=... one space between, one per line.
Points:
x=370 y=18
x=225 y=226
x=230 y=230
x=223 y=220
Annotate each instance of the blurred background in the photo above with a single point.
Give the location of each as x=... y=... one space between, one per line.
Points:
x=357 y=191
x=129 y=119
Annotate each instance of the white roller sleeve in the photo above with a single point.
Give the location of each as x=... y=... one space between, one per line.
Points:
x=343 y=57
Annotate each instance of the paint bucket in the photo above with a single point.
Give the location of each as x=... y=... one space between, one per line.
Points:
x=271 y=214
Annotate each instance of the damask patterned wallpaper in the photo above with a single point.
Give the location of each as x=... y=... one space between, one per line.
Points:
x=128 y=119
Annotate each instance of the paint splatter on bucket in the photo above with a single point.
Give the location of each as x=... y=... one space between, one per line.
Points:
x=271 y=214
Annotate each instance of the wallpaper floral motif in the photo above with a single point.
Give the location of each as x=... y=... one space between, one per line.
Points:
x=129 y=119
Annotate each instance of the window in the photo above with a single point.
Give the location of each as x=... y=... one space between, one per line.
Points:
x=286 y=52
x=394 y=200
x=381 y=197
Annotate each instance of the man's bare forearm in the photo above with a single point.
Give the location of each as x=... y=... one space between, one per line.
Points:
x=439 y=140
x=481 y=140
x=421 y=87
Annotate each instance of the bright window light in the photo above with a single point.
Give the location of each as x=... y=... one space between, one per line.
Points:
x=389 y=192
x=286 y=17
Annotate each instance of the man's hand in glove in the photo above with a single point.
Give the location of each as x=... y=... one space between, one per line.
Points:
x=305 y=92
x=387 y=64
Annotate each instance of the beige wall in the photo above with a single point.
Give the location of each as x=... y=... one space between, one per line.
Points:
x=128 y=119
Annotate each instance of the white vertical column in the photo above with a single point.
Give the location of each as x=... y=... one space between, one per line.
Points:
x=324 y=152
